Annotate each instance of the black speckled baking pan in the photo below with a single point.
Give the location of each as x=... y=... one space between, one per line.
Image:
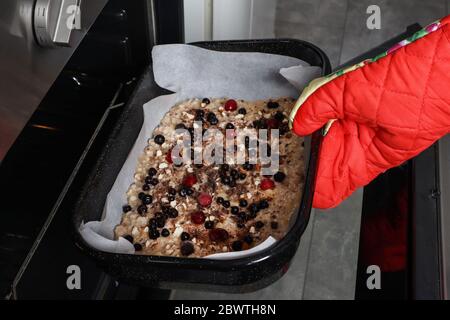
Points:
x=238 y=275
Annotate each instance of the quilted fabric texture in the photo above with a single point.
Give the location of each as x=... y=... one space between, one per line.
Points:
x=387 y=112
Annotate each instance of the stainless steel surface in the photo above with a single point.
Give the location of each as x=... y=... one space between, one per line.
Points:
x=444 y=181
x=55 y=20
x=152 y=21
x=28 y=70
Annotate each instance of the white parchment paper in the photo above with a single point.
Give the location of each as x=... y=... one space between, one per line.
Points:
x=193 y=72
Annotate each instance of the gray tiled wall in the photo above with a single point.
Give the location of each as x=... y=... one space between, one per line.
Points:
x=320 y=22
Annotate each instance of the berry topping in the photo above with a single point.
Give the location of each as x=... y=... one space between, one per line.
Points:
x=141 y=195
x=142 y=209
x=153 y=234
x=211 y=118
x=199 y=113
x=209 y=224
x=180 y=126
x=279 y=176
x=159 y=139
x=206 y=101
x=127 y=208
x=284 y=128
x=165 y=209
x=259 y=224
x=225 y=180
x=198 y=217
x=240 y=225
x=160 y=222
x=279 y=116
x=220 y=200
x=173 y=213
x=185 y=236
x=152 y=172
x=248 y=166
x=229 y=126
x=187 y=248
x=129 y=238
x=189 y=180
x=147 y=199
x=218 y=235
x=243 y=203
x=263 y=124
x=137 y=247
x=242 y=111
x=251 y=216
x=230 y=105
x=182 y=192
x=165 y=232
x=242 y=176
x=272 y=104
x=226 y=204
x=253 y=208
x=204 y=199
x=267 y=184
x=263 y=204
x=248 y=239
x=260 y=124
x=273 y=124
x=236 y=245
x=152 y=222
x=234 y=210
x=145 y=187
x=169 y=156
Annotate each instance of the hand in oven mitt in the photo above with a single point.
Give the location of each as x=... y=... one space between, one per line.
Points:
x=379 y=113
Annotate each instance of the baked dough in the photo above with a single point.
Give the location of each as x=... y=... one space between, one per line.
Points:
x=180 y=224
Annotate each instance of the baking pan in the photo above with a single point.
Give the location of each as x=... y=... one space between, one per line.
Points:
x=238 y=275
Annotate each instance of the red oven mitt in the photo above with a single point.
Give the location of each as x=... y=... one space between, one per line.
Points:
x=386 y=111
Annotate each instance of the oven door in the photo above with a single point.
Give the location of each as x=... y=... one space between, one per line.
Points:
x=88 y=84
x=37 y=43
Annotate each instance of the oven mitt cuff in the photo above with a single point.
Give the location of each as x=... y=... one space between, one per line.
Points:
x=378 y=113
